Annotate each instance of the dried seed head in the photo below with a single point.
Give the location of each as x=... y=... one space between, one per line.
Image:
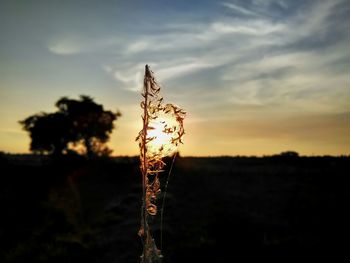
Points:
x=161 y=135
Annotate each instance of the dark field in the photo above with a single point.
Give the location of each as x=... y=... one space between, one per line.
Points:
x=218 y=209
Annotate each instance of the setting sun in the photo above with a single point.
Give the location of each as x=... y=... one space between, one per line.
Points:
x=163 y=130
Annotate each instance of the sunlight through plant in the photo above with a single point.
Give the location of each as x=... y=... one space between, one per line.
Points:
x=160 y=136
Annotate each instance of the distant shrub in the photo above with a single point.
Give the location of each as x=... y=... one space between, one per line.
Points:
x=289 y=154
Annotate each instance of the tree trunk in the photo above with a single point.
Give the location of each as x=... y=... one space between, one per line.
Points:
x=89 y=150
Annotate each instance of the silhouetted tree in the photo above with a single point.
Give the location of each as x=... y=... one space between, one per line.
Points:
x=77 y=122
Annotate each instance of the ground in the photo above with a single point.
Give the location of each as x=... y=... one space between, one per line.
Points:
x=217 y=209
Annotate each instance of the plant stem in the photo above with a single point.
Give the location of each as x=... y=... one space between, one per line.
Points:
x=144 y=166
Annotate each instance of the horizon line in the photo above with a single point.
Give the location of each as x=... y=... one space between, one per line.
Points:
x=203 y=156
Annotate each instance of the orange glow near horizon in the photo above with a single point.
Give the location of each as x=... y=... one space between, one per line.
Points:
x=320 y=136
x=210 y=138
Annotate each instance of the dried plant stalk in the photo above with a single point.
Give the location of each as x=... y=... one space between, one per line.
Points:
x=160 y=136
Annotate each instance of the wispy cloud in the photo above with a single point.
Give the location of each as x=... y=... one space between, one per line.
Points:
x=75 y=44
x=255 y=60
x=239 y=9
x=65 y=47
x=182 y=69
x=257 y=28
x=129 y=77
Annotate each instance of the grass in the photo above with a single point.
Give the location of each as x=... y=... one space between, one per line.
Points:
x=160 y=136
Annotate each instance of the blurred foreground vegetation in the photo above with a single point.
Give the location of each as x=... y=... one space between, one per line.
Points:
x=218 y=209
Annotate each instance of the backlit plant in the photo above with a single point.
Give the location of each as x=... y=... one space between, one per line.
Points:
x=160 y=136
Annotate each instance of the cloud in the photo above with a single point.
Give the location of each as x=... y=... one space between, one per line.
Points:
x=257 y=59
x=76 y=44
x=257 y=28
x=200 y=47
x=65 y=47
x=239 y=9
x=277 y=68
x=138 y=46
x=130 y=78
x=182 y=69
x=107 y=68
x=301 y=80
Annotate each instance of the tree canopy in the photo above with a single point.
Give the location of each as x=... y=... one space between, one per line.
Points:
x=78 y=125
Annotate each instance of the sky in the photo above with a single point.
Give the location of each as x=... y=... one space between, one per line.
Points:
x=256 y=77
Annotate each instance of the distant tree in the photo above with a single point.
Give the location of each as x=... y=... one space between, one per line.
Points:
x=289 y=154
x=77 y=124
